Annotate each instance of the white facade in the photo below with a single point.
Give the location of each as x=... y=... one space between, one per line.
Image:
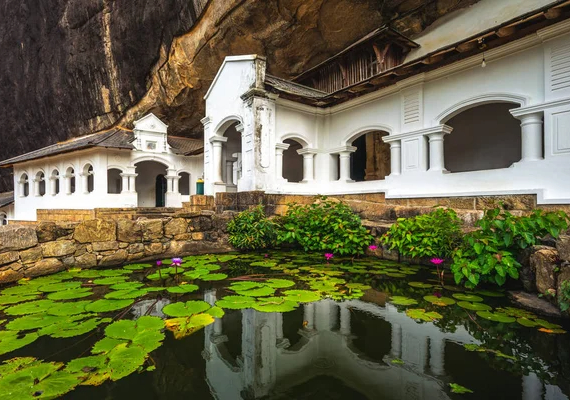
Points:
x=531 y=75
x=101 y=177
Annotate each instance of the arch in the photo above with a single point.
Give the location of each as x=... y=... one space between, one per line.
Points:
x=54 y=178
x=70 y=179
x=226 y=123
x=24 y=184
x=184 y=183
x=148 y=172
x=371 y=160
x=114 y=181
x=293 y=161
x=40 y=183
x=231 y=153
x=355 y=134
x=479 y=100
x=3 y=218
x=89 y=178
x=157 y=159
x=298 y=138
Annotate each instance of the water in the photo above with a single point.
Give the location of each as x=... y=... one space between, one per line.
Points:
x=363 y=347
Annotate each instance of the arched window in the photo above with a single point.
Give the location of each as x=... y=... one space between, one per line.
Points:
x=114 y=181
x=483 y=137
x=231 y=170
x=40 y=184
x=70 y=178
x=88 y=178
x=292 y=161
x=3 y=219
x=184 y=183
x=54 y=179
x=371 y=160
x=24 y=185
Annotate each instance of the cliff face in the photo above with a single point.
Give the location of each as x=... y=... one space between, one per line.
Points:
x=70 y=67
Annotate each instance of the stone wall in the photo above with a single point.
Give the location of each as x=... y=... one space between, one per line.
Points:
x=65 y=215
x=48 y=247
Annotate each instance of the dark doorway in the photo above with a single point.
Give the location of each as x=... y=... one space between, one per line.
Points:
x=160 y=191
x=371 y=160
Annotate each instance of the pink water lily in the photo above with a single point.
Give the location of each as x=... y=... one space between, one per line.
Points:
x=176 y=261
x=158 y=262
x=372 y=247
x=328 y=256
x=437 y=261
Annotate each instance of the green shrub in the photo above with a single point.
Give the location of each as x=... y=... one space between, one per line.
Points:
x=252 y=230
x=435 y=234
x=564 y=302
x=325 y=225
x=489 y=253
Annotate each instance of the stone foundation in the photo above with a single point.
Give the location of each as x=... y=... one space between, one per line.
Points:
x=48 y=247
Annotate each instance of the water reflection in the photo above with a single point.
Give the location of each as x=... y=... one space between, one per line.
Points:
x=326 y=345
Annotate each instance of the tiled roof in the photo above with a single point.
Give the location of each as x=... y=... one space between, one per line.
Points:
x=282 y=85
x=116 y=138
x=6 y=198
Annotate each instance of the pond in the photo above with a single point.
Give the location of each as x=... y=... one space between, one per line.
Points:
x=273 y=326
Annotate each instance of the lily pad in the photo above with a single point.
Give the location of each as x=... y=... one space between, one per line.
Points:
x=275 y=304
x=71 y=327
x=113 y=280
x=86 y=274
x=467 y=297
x=496 y=317
x=114 y=272
x=14 y=299
x=216 y=312
x=547 y=325
x=266 y=264
x=32 y=307
x=11 y=340
x=126 y=286
x=126 y=294
x=70 y=308
x=302 y=296
x=421 y=314
x=34 y=321
x=105 y=305
x=236 y=302
x=474 y=306
x=395 y=275
x=182 y=327
x=19 y=289
x=185 y=309
x=490 y=293
x=440 y=301
x=279 y=283
x=256 y=292
x=214 y=277
x=70 y=294
x=527 y=322
x=137 y=267
x=402 y=301
x=181 y=289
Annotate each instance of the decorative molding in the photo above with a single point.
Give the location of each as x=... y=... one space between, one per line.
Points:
x=206 y=121
x=307 y=150
x=480 y=100
x=282 y=146
x=554 y=31
x=217 y=138
x=340 y=149
x=228 y=59
x=445 y=129
x=518 y=112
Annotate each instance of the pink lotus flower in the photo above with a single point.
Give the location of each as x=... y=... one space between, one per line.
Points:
x=328 y=256
x=158 y=262
x=177 y=261
x=266 y=255
x=373 y=247
x=437 y=294
x=437 y=261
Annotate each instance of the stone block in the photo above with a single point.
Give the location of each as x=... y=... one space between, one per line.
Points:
x=59 y=248
x=50 y=231
x=527 y=273
x=68 y=261
x=175 y=226
x=8 y=275
x=129 y=231
x=44 y=267
x=544 y=263
x=153 y=249
x=105 y=246
x=183 y=236
x=123 y=245
x=135 y=248
x=563 y=247
x=514 y=202
x=151 y=229
x=96 y=230
x=9 y=257
x=86 y=260
x=198 y=236
x=202 y=223
x=118 y=257
x=136 y=256
x=15 y=237
x=31 y=255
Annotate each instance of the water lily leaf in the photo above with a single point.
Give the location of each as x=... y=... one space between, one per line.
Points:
x=56 y=287
x=256 y=292
x=245 y=285
x=70 y=294
x=154 y=289
x=358 y=286
x=113 y=280
x=32 y=307
x=126 y=294
x=395 y=275
x=126 y=286
x=137 y=267
x=106 y=344
x=455 y=388
x=185 y=309
x=70 y=328
x=467 y=297
x=213 y=277
x=275 y=304
x=216 y=312
x=556 y=331
x=516 y=312
x=70 y=308
x=527 y=322
x=279 y=283
x=86 y=274
x=105 y=305
x=19 y=289
x=114 y=272
x=182 y=327
x=11 y=340
x=421 y=314
x=34 y=321
x=547 y=325
x=14 y=299
x=94 y=366
x=144 y=332
x=266 y=264
x=440 y=301
x=195 y=274
x=402 y=301
x=211 y=267
x=496 y=317
x=474 y=306
x=235 y=302
x=302 y=296
x=490 y=293
x=124 y=360
x=187 y=288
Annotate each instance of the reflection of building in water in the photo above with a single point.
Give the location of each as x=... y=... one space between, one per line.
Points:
x=267 y=362
x=149 y=307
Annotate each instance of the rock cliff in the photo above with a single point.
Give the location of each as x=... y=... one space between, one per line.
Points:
x=70 y=67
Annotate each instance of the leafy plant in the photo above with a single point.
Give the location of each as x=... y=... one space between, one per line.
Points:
x=252 y=230
x=435 y=234
x=456 y=388
x=564 y=301
x=325 y=225
x=489 y=253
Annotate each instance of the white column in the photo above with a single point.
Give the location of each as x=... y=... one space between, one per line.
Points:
x=52 y=180
x=344 y=160
x=229 y=171
x=344 y=320
x=125 y=183
x=170 y=175
x=436 y=154
x=531 y=131
x=175 y=185
x=37 y=187
x=279 y=149
x=396 y=340
x=437 y=356
x=308 y=164
x=309 y=315
x=21 y=188
x=236 y=168
x=217 y=142
x=132 y=185
x=67 y=180
x=84 y=182
x=395 y=158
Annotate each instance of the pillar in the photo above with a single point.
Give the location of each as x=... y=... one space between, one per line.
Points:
x=217 y=142
x=531 y=131
x=125 y=183
x=396 y=340
x=132 y=185
x=236 y=168
x=436 y=154
x=308 y=164
x=67 y=179
x=37 y=186
x=22 y=188
x=279 y=149
x=344 y=319
x=52 y=185
x=309 y=315
x=170 y=175
x=229 y=171
x=395 y=158
x=175 y=184
x=84 y=182
x=437 y=356
x=344 y=161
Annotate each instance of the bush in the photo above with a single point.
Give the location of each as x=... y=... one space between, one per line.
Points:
x=489 y=253
x=325 y=225
x=435 y=234
x=252 y=230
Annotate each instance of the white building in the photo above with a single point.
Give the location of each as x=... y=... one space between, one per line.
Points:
x=112 y=169
x=478 y=104
x=6 y=207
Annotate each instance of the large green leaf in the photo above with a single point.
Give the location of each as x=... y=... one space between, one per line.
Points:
x=235 y=302
x=496 y=317
x=56 y=287
x=126 y=294
x=185 y=309
x=302 y=296
x=439 y=301
x=275 y=304
x=214 y=277
x=11 y=340
x=70 y=308
x=402 y=301
x=467 y=297
x=421 y=314
x=19 y=298
x=184 y=326
x=32 y=307
x=105 y=305
x=124 y=360
x=70 y=294
x=33 y=321
x=186 y=288
x=474 y=306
